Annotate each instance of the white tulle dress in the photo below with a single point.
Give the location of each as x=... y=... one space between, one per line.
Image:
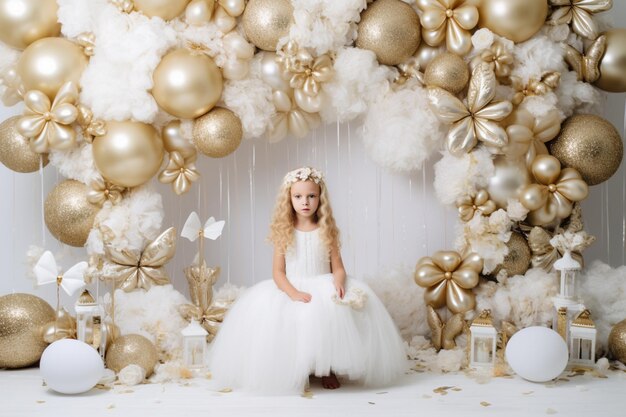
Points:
x=269 y=343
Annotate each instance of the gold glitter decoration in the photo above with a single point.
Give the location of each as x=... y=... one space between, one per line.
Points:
x=517 y=261
x=179 y=173
x=578 y=14
x=591 y=145
x=15 y=151
x=528 y=134
x=447 y=71
x=498 y=57
x=617 y=341
x=68 y=214
x=469 y=205
x=217 y=133
x=449 y=20
x=390 y=29
x=266 y=21
x=613 y=65
x=132 y=349
x=21 y=317
x=443 y=334
x=517 y=20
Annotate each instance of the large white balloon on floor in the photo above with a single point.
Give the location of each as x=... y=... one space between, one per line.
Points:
x=70 y=366
x=537 y=354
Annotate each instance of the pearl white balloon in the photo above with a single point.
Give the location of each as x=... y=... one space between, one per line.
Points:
x=537 y=354
x=70 y=366
x=271 y=72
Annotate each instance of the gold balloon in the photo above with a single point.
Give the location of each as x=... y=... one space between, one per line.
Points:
x=509 y=178
x=187 y=84
x=49 y=63
x=613 y=63
x=591 y=145
x=21 y=318
x=469 y=205
x=617 y=341
x=447 y=71
x=426 y=53
x=578 y=14
x=132 y=349
x=450 y=21
x=129 y=154
x=165 y=9
x=179 y=173
x=517 y=261
x=391 y=29
x=517 y=20
x=68 y=214
x=266 y=21
x=15 y=150
x=22 y=22
x=218 y=133
x=175 y=141
x=63 y=327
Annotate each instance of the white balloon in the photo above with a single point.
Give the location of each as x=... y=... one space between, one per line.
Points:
x=70 y=366
x=537 y=354
x=271 y=72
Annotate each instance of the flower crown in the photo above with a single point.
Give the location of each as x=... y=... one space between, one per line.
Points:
x=303 y=174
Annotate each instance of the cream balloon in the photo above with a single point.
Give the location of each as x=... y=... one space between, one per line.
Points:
x=175 y=141
x=187 y=84
x=129 y=154
x=613 y=63
x=509 y=177
x=199 y=12
x=517 y=20
x=165 y=9
x=22 y=22
x=425 y=53
x=224 y=22
x=272 y=73
x=236 y=43
x=310 y=104
x=266 y=21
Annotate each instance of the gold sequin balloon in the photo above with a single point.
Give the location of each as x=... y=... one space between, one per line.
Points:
x=68 y=214
x=15 y=150
x=391 y=29
x=447 y=71
x=617 y=341
x=591 y=145
x=266 y=21
x=132 y=349
x=517 y=20
x=21 y=319
x=165 y=9
x=22 y=22
x=217 y=133
x=517 y=261
x=613 y=63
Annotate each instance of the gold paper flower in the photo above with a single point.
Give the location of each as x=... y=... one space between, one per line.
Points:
x=409 y=69
x=88 y=41
x=289 y=119
x=102 y=191
x=91 y=127
x=478 y=119
x=448 y=279
x=528 y=134
x=469 y=205
x=587 y=66
x=449 y=20
x=535 y=87
x=180 y=173
x=497 y=57
x=443 y=334
x=14 y=90
x=578 y=14
x=49 y=125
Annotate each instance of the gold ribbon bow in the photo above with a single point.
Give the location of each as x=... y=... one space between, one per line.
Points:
x=102 y=191
x=497 y=57
x=528 y=134
x=180 y=173
x=443 y=334
x=469 y=205
x=449 y=20
x=14 y=90
x=535 y=87
x=578 y=14
x=587 y=66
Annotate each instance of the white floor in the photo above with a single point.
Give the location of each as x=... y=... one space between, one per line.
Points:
x=417 y=394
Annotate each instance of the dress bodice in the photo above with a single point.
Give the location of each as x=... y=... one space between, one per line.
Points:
x=308 y=256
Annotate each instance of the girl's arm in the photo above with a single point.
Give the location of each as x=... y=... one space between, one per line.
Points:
x=339 y=272
x=280 y=278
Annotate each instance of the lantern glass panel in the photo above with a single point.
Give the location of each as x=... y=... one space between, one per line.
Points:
x=482 y=350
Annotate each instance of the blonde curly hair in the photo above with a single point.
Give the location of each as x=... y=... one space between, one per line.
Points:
x=284 y=218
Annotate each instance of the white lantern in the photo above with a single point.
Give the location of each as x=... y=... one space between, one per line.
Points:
x=567 y=304
x=582 y=346
x=483 y=340
x=86 y=308
x=568 y=267
x=194 y=345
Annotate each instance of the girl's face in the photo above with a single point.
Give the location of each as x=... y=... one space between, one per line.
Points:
x=305 y=198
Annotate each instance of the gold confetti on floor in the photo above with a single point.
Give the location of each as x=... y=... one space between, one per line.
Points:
x=103 y=387
x=126 y=391
x=186 y=373
x=457 y=389
x=382 y=392
x=551 y=411
x=444 y=390
x=226 y=390
x=40 y=401
x=307 y=394
x=485 y=403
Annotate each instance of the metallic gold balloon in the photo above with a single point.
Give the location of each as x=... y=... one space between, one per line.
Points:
x=179 y=173
x=426 y=53
x=447 y=71
x=509 y=177
x=578 y=14
x=217 y=133
x=591 y=145
x=617 y=341
x=15 y=150
x=165 y=9
x=132 y=349
x=469 y=205
x=22 y=22
x=450 y=21
x=517 y=20
x=63 y=327
x=174 y=141
x=199 y=12
x=49 y=63
x=21 y=318
x=68 y=214
x=517 y=261
x=187 y=84
x=129 y=154
x=613 y=63
x=272 y=73
x=266 y=21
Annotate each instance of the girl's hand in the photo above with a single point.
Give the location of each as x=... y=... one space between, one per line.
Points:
x=341 y=291
x=304 y=297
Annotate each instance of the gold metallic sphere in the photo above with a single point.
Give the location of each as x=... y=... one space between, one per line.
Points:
x=187 y=84
x=509 y=178
x=21 y=319
x=447 y=71
x=391 y=29
x=613 y=63
x=217 y=133
x=132 y=349
x=266 y=21
x=517 y=20
x=129 y=154
x=15 y=151
x=591 y=145
x=617 y=341
x=165 y=9
x=22 y=22
x=517 y=261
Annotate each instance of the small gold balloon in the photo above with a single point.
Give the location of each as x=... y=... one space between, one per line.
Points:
x=129 y=154
x=218 y=133
x=49 y=63
x=517 y=261
x=617 y=341
x=165 y=9
x=426 y=53
x=391 y=29
x=21 y=319
x=517 y=20
x=447 y=71
x=15 y=150
x=591 y=145
x=266 y=21
x=132 y=349
x=613 y=63
x=68 y=214
x=22 y=22
x=175 y=141
x=508 y=180
x=187 y=84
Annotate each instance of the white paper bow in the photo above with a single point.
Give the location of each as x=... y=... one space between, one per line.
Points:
x=193 y=228
x=47 y=272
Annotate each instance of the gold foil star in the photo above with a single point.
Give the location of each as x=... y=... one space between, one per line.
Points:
x=578 y=14
x=449 y=20
x=469 y=205
x=180 y=173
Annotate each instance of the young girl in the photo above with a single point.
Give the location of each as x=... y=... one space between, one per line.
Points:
x=310 y=319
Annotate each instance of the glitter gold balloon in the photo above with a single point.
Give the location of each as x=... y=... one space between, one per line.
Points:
x=21 y=319
x=591 y=145
x=132 y=349
x=517 y=20
x=391 y=29
x=217 y=133
x=508 y=180
x=613 y=63
x=15 y=151
x=165 y=9
x=68 y=214
x=22 y=22
x=447 y=71
x=266 y=21
x=617 y=341
x=517 y=261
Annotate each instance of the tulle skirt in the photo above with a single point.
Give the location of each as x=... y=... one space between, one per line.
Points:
x=271 y=344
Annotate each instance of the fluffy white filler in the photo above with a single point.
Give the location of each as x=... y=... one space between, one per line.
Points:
x=459 y=176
